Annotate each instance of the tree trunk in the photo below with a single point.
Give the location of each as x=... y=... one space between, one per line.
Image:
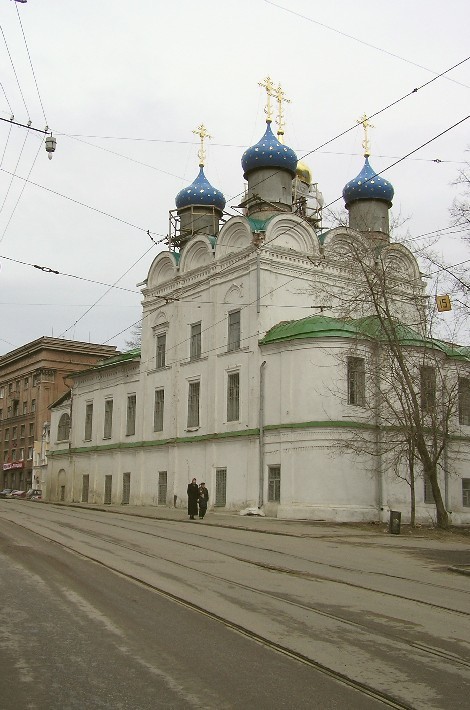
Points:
x=412 y=494
x=442 y=518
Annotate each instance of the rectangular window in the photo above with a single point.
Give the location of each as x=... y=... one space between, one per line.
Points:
x=274 y=484
x=233 y=397
x=428 y=388
x=108 y=419
x=131 y=406
x=464 y=401
x=1 y=414
x=161 y=350
x=13 y=432
x=31 y=429
x=10 y=387
x=33 y=405
x=108 y=488
x=30 y=453
x=7 y=435
x=26 y=382
x=5 y=458
x=356 y=381
x=9 y=411
x=22 y=431
x=2 y=392
x=195 y=342
x=233 y=341
x=220 y=487
x=162 y=487
x=88 y=421
x=428 y=496
x=193 y=404
x=25 y=407
x=126 y=488
x=16 y=405
x=85 y=487
x=158 y=410
x=466 y=492
x=21 y=457
x=13 y=454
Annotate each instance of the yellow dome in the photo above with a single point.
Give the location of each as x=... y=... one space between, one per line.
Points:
x=304 y=173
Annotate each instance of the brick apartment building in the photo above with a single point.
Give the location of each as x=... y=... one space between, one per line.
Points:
x=31 y=378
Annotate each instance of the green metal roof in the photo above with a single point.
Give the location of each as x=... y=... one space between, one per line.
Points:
x=369 y=328
x=111 y=361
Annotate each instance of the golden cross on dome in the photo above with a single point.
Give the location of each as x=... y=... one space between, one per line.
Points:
x=269 y=86
x=280 y=96
x=201 y=131
x=366 y=142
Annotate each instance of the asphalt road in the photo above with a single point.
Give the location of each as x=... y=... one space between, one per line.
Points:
x=112 y=611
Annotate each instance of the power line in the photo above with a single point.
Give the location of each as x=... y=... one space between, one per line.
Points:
x=21 y=194
x=356 y=39
x=30 y=62
x=14 y=72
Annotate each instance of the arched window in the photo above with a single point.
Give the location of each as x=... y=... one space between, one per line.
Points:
x=64 y=427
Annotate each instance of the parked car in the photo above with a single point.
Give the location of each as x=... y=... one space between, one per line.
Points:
x=5 y=493
x=17 y=494
x=34 y=495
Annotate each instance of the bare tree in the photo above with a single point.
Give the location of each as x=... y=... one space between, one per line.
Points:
x=135 y=337
x=414 y=388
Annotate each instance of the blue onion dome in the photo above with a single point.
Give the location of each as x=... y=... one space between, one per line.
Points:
x=269 y=153
x=200 y=192
x=368 y=186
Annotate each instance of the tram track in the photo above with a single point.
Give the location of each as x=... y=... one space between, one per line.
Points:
x=411 y=645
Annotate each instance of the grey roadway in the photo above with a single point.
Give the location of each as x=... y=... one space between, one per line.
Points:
x=381 y=609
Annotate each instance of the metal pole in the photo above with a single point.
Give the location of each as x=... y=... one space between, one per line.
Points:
x=261 y=435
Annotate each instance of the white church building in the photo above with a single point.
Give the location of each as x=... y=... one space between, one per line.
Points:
x=254 y=373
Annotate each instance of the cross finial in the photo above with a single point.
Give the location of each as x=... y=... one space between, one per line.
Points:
x=269 y=86
x=366 y=142
x=201 y=131
x=280 y=96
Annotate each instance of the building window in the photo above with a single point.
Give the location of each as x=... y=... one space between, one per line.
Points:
x=25 y=407
x=464 y=401
x=158 y=410
x=63 y=429
x=108 y=419
x=7 y=435
x=30 y=453
x=161 y=348
x=85 y=487
x=5 y=457
x=131 y=406
x=16 y=405
x=356 y=381
x=193 y=404
x=10 y=387
x=33 y=405
x=21 y=454
x=88 y=421
x=22 y=431
x=9 y=411
x=220 y=487
x=31 y=429
x=126 y=488
x=26 y=383
x=428 y=496
x=162 y=487
x=195 y=342
x=274 y=484
x=1 y=414
x=428 y=388
x=233 y=341
x=466 y=492
x=233 y=397
x=2 y=392
x=13 y=454
x=14 y=432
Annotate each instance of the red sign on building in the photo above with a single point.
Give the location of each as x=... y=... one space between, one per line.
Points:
x=13 y=464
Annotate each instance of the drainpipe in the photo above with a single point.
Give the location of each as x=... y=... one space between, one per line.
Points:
x=258 y=282
x=261 y=435
x=378 y=430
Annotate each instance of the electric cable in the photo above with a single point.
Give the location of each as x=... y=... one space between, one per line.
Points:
x=13 y=174
x=30 y=62
x=356 y=39
x=14 y=72
x=21 y=194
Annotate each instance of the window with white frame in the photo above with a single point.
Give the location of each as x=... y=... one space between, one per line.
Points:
x=428 y=388
x=274 y=484
x=108 y=419
x=158 y=411
x=466 y=492
x=464 y=401
x=356 y=381
x=428 y=495
x=195 y=342
x=161 y=350
x=193 y=403
x=234 y=331
x=131 y=409
x=63 y=429
x=88 y=421
x=233 y=397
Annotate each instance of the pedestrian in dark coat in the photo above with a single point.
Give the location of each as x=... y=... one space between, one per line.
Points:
x=193 y=497
x=203 y=500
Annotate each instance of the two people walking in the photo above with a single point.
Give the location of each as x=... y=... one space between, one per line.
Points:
x=198 y=497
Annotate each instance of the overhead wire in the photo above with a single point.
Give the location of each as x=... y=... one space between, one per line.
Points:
x=356 y=39
x=14 y=72
x=21 y=194
x=30 y=61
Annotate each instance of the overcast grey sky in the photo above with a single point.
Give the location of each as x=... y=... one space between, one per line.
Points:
x=123 y=84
